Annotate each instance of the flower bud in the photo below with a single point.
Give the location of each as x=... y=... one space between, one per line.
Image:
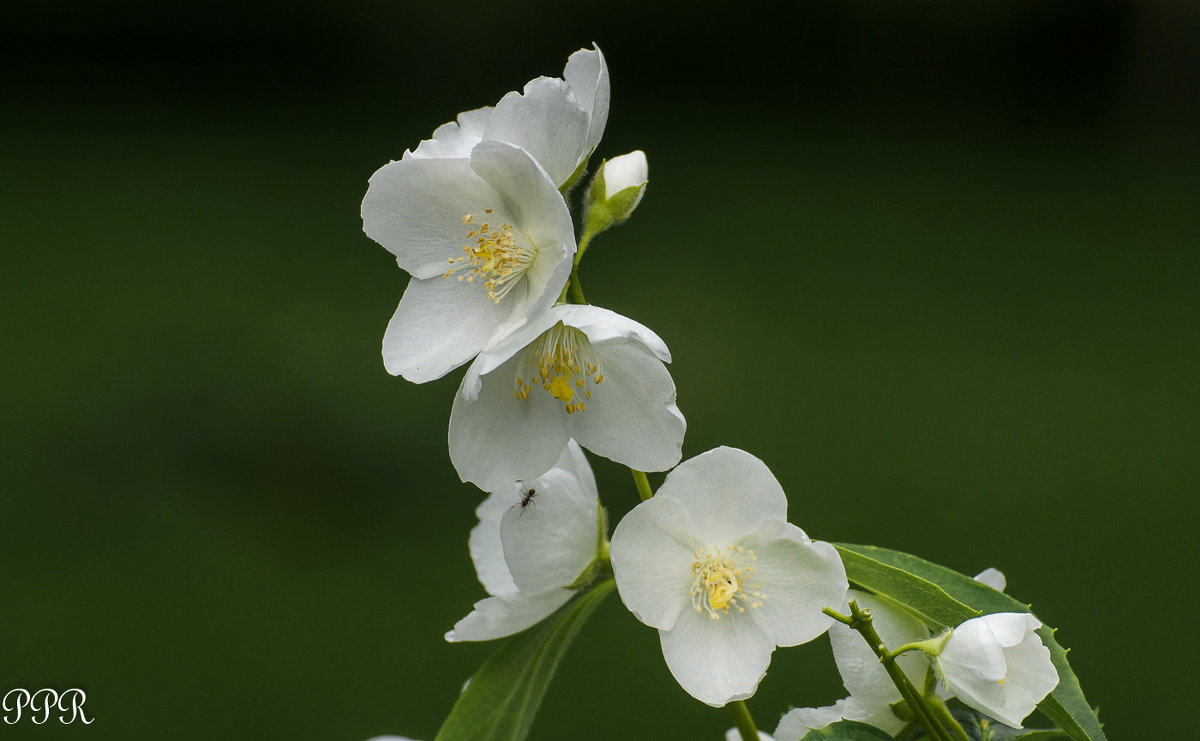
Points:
x=616 y=190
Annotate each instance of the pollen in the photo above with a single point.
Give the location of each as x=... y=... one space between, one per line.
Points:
x=563 y=363
x=723 y=581
x=497 y=255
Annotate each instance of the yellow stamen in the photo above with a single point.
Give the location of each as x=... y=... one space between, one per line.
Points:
x=721 y=581
x=562 y=361
x=498 y=258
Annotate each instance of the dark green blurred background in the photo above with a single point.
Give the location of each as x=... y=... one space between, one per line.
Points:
x=934 y=263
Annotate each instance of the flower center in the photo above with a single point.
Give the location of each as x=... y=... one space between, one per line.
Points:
x=495 y=256
x=562 y=361
x=721 y=581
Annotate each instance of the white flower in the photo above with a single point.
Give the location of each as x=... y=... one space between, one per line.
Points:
x=872 y=691
x=713 y=564
x=488 y=240
x=577 y=372
x=998 y=665
x=558 y=121
x=532 y=541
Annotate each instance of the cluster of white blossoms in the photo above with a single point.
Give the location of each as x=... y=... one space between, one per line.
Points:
x=479 y=216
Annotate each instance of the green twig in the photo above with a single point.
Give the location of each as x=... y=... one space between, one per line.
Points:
x=642 y=483
x=860 y=620
x=742 y=719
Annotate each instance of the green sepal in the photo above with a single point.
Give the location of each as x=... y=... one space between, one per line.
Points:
x=503 y=697
x=621 y=204
x=903 y=578
x=846 y=730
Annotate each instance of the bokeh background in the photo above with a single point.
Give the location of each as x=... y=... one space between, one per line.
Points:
x=934 y=263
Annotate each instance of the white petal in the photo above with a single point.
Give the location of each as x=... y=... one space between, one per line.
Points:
x=439 y=325
x=973 y=665
x=553 y=538
x=455 y=139
x=716 y=661
x=973 y=651
x=1031 y=676
x=497 y=439
x=547 y=121
x=574 y=462
x=602 y=325
x=863 y=676
x=414 y=208
x=587 y=75
x=1010 y=628
x=487 y=550
x=799 y=721
x=502 y=349
x=537 y=209
x=994 y=578
x=728 y=494
x=632 y=417
x=627 y=171
x=497 y=617
x=799 y=578
x=652 y=559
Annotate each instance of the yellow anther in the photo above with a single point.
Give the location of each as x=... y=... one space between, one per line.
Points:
x=560 y=388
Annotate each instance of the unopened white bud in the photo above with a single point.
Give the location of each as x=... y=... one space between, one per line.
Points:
x=616 y=190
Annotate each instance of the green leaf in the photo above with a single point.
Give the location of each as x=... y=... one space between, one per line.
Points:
x=846 y=730
x=922 y=597
x=902 y=577
x=503 y=697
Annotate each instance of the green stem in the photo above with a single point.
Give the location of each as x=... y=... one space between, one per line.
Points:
x=642 y=483
x=860 y=620
x=938 y=709
x=585 y=239
x=742 y=719
x=574 y=289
